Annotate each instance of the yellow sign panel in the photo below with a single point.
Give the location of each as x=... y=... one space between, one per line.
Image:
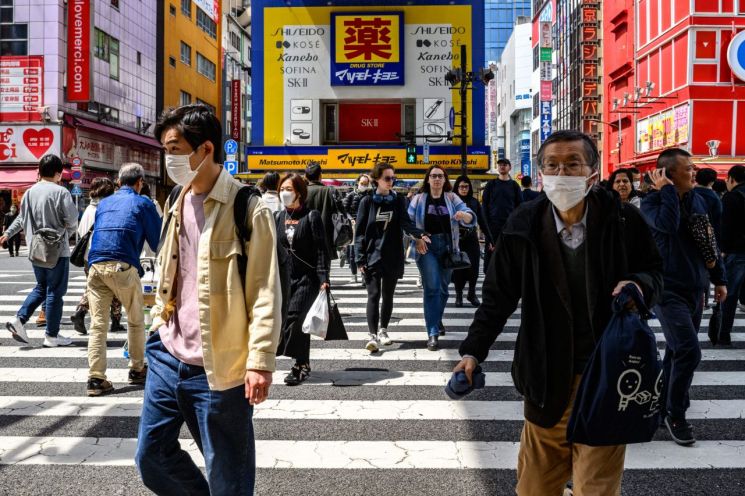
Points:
x=367 y=38
x=361 y=160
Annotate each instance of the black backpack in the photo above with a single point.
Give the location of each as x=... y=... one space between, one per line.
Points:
x=240 y=216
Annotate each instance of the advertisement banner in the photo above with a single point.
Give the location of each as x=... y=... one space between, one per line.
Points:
x=369 y=122
x=235 y=109
x=668 y=124
x=546 y=91
x=545 y=55
x=642 y=136
x=79 y=50
x=106 y=152
x=210 y=7
x=525 y=157
x=546 y=40
x=658 y=132
x=21 y=88
x=681 y=124
x=27 y=144
x=362 y=159
x=545 y=125
x=367 y=49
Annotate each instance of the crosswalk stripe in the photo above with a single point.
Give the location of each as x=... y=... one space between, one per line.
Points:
x=368 y=377
x=113 y=406
x=361 y=454
x=386 y=353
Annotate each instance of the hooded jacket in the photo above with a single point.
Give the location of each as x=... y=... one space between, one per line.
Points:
x=528 y=267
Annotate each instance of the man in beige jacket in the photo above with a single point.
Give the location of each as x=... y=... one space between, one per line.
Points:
x=212 y=357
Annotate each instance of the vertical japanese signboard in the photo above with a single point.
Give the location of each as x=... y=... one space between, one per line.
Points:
x=79 y=50
x=546 y=74
x=590 y=47
x=235 y=109
x=21 y=88
x=367 y=49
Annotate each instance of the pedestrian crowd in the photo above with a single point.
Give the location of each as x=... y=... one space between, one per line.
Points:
x=240 y=269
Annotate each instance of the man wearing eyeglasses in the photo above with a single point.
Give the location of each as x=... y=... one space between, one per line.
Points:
x=566 y=255
x=501 y=196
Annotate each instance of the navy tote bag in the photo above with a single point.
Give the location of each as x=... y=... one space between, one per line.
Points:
x=619 y=397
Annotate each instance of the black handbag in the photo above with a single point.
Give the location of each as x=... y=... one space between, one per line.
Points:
x=77 y=257
x=456 y=260
x=715 y=323
x=336 y=330
x=703 y=235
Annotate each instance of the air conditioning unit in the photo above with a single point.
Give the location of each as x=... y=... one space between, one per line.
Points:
x=244 y=17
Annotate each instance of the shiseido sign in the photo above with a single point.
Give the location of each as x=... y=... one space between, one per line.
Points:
x=79 y=50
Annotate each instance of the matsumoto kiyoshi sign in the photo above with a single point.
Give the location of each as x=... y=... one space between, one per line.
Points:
x=367 y=49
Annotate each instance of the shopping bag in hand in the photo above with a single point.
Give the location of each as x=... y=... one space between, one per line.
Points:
x=336 y=329
x=715 y=324
x=317 y=320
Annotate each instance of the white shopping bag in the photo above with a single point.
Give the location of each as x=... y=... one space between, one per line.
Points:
x=317 y=320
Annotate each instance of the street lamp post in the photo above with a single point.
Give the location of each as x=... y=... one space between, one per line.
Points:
x=462 y=77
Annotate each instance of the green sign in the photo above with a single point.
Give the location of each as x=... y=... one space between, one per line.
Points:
x=545 y=55
x=410 y=154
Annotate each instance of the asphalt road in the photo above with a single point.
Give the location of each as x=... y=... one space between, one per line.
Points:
x=363 y=425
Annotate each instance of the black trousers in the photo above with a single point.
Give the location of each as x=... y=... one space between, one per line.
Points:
x=379 y=285
x=14 y=244
x=294 y=342
x=470 y=246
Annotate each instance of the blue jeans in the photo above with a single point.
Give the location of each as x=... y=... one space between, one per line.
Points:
x=680 y=317
x=51 y=287
x=735 y=266
x=435 y=281
x=219 y=421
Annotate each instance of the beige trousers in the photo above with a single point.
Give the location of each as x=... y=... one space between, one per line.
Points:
x=107 y=280
x=546 y=462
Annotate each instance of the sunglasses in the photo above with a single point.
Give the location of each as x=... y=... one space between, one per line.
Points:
x=437 y=176
x=389 y=179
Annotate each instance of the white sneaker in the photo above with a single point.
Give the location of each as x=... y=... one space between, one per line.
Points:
x=60 y=340
x=353 y=279
x=383 y=337
x=17 y=330
x=419 y=282
x=372 y=345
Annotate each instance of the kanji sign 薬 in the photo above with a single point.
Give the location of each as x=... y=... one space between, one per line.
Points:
x=367 y=49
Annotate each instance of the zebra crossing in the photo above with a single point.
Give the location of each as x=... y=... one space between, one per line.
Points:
x=362 y=424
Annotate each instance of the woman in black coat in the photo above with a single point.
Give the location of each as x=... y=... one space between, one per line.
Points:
x=469 y=243
x=382 y=220
x=300 y=232
x=351 y=204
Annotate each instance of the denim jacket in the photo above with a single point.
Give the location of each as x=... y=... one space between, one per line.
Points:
x=124 y=221
x=417 y=211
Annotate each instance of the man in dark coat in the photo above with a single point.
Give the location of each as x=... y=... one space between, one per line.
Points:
x=322 y=198
x=668 y=211
x=733 y=247
x=566 y=255
x=501 y=196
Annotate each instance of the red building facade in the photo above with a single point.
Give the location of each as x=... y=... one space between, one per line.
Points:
x=668 y=83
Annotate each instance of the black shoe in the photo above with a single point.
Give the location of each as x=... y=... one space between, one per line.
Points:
x=473 y=300
x=135 y=377
x=680 y=430
x=97 y=387
x=78 y=322
x=298 y=374
x=459 y=300
x=725 y=339
x=116 y=325
x=441 y=329
x=432 y=344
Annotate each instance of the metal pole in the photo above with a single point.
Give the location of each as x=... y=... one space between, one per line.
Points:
x=463 y=112
x=619 y=139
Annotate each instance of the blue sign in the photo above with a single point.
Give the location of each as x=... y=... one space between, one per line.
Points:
x=231 y=167
x=546 y=108
x=525 y=157
x=231 y=147
x=76 y=191
x=736 y=55
x=451 y=118
x=367 y=49
x=545 y=126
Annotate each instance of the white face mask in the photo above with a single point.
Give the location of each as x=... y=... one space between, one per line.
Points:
x=566 y=192
x=363 y=188
x=637 y=184
x=287 y=197
x=179 y=170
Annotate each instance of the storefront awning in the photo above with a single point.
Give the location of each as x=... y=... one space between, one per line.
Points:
x=18 y=178
x=121 y=133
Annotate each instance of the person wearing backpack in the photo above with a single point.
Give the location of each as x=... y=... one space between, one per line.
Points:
x=669 y=210
x=501 y=196
x=733 y=247
x=49 y=217
x=566 y=255
x=216 y=314
x=323 y=198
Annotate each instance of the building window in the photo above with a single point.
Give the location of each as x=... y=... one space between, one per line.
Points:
x=139 y=58
x=171 y=61
x=211 y=107
x=185 y=53
x=235 y=40
x=6 y=11
x=114 y=58
x=107 y=49
x=206 y=24
x=172 y=10
x=205 y=67
x=115 y=4
x=186 y=8
x=184 y=99
x=13 y=39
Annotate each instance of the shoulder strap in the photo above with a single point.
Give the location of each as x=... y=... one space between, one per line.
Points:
x=172 y=196
x=241 y=207
x=30 y=211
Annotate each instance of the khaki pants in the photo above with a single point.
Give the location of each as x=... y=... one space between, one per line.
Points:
x=107 y=280
x=546 y=462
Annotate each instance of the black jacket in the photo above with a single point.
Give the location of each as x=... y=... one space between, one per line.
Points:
x=322 y=198
x=733 y=221
x=528 y=267
x=384 y=250
x=685 y=271
x=475 y=207
x=352 y=201
x=500 y=198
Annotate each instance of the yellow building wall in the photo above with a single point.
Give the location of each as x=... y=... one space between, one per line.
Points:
x=184 y=77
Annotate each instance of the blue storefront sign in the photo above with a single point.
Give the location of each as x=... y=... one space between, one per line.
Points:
x=525 y=157
x=545 y=124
